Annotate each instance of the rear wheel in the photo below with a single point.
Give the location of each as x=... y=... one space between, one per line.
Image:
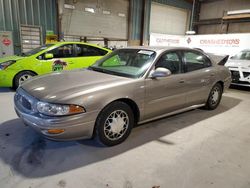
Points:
x=22 y=77
x=214 y=97
x=114 y=123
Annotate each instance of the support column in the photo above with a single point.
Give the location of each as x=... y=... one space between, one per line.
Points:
x=139 y=18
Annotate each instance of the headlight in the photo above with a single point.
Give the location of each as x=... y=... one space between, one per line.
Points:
x=6 y=64
x=58 y=109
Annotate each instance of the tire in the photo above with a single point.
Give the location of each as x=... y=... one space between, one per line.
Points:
x=111 y=134
x=214 y=97
x=21 y=77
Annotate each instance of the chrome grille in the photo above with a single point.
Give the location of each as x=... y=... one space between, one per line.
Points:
x=23 y=101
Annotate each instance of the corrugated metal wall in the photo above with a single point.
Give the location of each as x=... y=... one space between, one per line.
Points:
x=216 y=10
x=14 y=13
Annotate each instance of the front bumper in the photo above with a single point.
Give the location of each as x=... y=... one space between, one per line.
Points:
x=6 y=78
x=75 y=127
x=240 y=76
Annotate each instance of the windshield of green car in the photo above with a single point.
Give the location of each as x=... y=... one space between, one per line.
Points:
x=126 y=62
x=36 y=50
x=243 y=55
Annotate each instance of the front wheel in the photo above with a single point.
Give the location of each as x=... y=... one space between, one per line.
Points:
x=22 y=77
x=214 y=97
x=114 y=123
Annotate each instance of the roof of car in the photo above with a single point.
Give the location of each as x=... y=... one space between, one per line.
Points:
x=246 y=50
x=157 y=48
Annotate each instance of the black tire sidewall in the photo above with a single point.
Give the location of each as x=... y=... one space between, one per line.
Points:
x=99 y=128
x=209 y=104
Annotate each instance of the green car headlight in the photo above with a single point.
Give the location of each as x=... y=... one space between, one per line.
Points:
x=6 y=64
x=58 y=109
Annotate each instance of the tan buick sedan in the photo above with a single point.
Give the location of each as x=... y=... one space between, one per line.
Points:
x=126 y=87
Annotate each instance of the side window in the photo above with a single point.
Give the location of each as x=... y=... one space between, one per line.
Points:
x=195 y=61
x=63 y=51
x=85 y=50
x=170 y=61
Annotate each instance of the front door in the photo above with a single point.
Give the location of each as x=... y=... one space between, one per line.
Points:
x=167 y=94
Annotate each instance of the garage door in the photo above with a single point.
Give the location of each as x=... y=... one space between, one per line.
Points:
x=168 y=20
x=105 y=18
x=30 y=37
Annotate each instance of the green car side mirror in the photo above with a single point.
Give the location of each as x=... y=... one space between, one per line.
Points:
x=49 y=56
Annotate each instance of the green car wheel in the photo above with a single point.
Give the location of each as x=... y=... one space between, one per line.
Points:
x=22 y=77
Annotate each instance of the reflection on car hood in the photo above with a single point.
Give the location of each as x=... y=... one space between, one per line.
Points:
x=4 y=59
x=238 y=63
x=64 y=85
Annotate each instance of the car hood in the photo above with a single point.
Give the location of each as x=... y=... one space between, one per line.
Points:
x=238 y=63
x=61 y=86
x=4 y=59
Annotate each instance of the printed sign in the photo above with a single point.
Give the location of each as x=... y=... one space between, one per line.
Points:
x=228 y=44
x=6 y=42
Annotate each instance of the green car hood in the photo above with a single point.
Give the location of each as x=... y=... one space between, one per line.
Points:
x=14 y=57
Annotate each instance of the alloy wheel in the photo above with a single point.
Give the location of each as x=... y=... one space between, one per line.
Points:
x=24 y=78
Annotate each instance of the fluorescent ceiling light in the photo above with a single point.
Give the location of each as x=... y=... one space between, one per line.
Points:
x=121 y=14
x=91 y=10
x=190 y=32
x=68 y=6
x=106 y=12
x=233 y=12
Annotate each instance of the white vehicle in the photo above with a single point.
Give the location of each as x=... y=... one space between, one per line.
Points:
x=239 y=65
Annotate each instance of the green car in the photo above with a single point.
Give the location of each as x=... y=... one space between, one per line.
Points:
x=48 y=58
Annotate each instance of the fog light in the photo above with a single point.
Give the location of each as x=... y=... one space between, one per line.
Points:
x=55 y=131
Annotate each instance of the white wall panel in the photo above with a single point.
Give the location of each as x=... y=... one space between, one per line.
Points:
x=168 y=20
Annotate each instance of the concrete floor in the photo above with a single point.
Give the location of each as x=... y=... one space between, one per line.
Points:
x=196 y=149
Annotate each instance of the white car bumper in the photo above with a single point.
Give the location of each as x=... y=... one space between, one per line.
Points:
x=240 y=76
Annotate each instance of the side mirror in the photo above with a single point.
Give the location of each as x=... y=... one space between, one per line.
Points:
x=160 y=72
x=48 y=56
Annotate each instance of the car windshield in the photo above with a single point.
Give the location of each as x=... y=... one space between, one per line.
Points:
x=243 y=55
x=131 y=63
x=36 y=50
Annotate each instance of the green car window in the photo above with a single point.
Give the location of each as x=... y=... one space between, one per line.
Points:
x=36 y=50
x=85 y=50
x=63 y=51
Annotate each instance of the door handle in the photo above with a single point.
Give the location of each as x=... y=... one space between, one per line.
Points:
x=212 y=74
x=181 y=81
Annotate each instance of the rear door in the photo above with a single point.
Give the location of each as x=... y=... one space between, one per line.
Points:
x=87 y=55
x=166 y=94
x=199 y=76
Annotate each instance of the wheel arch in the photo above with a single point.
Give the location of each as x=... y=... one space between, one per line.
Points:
x=222 y=84
x=131 y=103
x=13 y=80
x=133 y=106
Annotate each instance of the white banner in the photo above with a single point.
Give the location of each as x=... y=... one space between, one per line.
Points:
x=229 y=44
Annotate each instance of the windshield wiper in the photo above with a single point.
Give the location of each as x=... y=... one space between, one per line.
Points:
x=102 y=70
